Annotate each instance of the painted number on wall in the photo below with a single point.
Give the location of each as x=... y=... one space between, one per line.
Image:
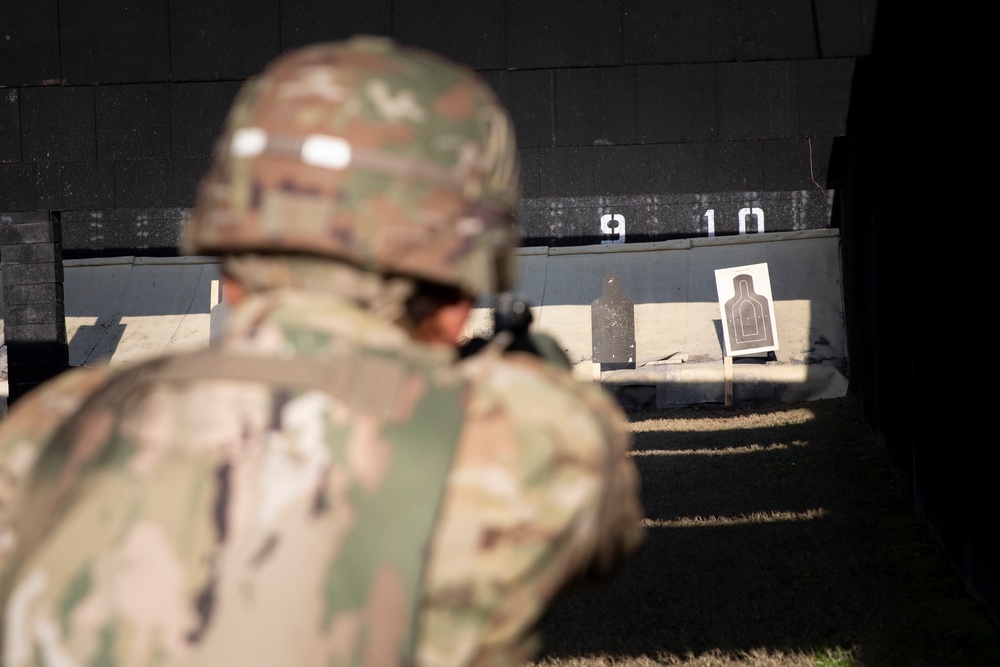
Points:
x=755 y=214
x=613 y=228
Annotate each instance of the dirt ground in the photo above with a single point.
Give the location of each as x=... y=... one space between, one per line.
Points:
x=778 y=537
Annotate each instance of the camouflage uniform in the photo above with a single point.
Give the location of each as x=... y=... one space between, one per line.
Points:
x=317 y=489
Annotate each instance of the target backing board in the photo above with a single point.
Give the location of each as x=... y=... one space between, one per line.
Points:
x=747 y=309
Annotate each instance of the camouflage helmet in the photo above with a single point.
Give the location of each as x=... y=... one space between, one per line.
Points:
x=389 y=157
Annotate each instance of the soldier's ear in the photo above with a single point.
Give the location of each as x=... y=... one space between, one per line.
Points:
x=446 y=323
x=232 y=290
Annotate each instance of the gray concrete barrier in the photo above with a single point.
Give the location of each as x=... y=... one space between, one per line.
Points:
x=124 y=309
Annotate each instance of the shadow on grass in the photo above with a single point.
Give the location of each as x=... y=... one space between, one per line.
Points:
x=779 y=530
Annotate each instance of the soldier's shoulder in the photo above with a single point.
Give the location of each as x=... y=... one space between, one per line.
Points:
x=534 y=394
x=513 y=372
x=38 y=412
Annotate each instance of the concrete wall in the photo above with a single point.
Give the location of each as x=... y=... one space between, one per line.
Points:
x=677 y=323
x=121 y=310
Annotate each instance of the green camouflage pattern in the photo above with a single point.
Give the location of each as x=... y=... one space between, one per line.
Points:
x=231 y=522
x=390 y=157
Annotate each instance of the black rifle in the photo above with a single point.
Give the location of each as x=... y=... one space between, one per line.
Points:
x=512 y=318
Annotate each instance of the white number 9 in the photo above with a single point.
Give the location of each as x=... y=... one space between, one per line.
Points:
x=613 y=225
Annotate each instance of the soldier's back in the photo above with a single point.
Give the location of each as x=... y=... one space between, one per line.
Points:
x=320 y=490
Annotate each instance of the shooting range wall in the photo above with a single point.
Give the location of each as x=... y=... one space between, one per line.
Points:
x=677 y=322
x=122 y=310
x=674 y=116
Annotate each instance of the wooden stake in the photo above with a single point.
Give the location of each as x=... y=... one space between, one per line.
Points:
x=727 y=372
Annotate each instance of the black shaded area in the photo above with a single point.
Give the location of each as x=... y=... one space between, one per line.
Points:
x=677 y=168
x=775 y=29
x=49 y=185
x=111 y=249
x=34 y=313
x=10 y=125
x=796 y=164
x=88 y=185
x=114 y=41
x=29 y=319
x=758 y=358
x=621 y=170
x=757 y=100
x=734 y=166
x=141 y=183
x=824 y=96
x=213 y=40
x=31 y=227
x=197 y=113
x=673 y=103
x=183 y=177
x=57 y=124
x=563 y=33
x=595 y=105
x=31 y=364
x=783 y=539
x=680 y=31
x=565 y=170
x=33 y=294
x=634 y=130
x=35 y=356
x=18 y=187
x=133 y=121
x=31 y=274
x=950 y=480
x=31 y=252
x=151 y=232
x=29 y=48
x=529 y=97
x=307 y=21
x=530 y=172
x=469 y=31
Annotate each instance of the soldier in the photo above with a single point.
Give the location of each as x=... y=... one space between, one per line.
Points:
x=331 y=483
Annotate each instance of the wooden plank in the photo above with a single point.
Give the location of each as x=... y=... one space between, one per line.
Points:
x=727 y=372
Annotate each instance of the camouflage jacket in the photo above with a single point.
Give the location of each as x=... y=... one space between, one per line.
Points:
x=414 y=509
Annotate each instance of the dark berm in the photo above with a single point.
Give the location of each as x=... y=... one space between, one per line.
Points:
x=779 y=536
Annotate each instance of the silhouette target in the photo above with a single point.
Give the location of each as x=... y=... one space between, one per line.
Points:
x=748 y=316
x=613 y=325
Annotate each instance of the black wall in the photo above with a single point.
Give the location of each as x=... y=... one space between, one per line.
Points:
x=670 y=113
x=894 y=256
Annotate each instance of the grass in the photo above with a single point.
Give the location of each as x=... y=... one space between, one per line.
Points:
x=778 y=537
x=835 y=657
